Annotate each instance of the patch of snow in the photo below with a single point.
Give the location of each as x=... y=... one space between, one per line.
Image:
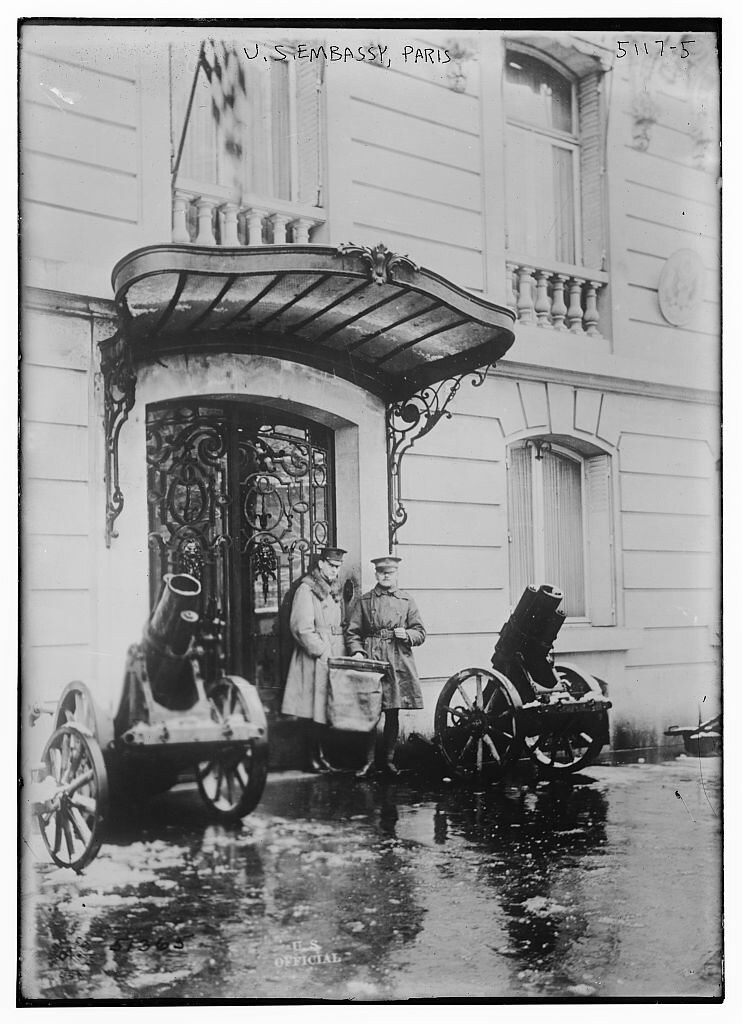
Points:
x=542 y=907
x=94 y=901
x=362 y=988
x=581 y=990
x=362 y=855
x=90 y=901
x=160 y=978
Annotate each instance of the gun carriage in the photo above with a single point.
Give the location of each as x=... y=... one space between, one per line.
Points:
x=178 y=710
x=527 y=704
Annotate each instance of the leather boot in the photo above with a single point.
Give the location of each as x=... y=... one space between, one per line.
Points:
x=391 y=735
x=317 y=763
x=369 y=767
x=316 y=760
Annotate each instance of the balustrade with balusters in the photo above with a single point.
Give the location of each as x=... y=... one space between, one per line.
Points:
x=559 y=297
x=202 y=218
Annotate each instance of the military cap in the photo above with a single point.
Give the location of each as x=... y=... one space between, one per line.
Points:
x=332 y=554
x=386 y=562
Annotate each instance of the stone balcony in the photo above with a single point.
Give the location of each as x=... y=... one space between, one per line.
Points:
x=211 y=215
x=556 y=296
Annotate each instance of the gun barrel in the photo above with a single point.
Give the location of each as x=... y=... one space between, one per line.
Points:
x=167 y=637
x=552 y=627
x=527 y=599
x=184 y=630
x=180 y=592
x=529 y=634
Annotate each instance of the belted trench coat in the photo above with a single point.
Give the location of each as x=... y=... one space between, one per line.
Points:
x=369 y=632
x=315 y=625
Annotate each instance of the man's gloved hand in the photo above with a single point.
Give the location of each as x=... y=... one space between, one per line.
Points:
x=359 y=654
x=401 y=633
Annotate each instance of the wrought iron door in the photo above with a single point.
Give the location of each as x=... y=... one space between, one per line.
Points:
x=241 y=498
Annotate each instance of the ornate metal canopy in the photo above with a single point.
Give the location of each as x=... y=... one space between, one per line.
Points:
x=365 y=314
x=368 y=315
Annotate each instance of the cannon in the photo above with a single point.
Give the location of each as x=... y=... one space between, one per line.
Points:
x=178 y=712
x=526 y=705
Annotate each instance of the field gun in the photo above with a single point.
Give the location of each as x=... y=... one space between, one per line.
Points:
x=179 y=715
x=527 y=704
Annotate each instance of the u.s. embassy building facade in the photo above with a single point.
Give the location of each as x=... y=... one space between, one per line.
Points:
x=461 y=304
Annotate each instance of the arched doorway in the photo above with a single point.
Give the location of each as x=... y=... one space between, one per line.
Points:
x=241 y=496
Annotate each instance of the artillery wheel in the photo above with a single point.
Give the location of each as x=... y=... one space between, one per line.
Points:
x=75 y=812
x=232 y=782
x=76 y=707
x=476 y=724
x=573 y=745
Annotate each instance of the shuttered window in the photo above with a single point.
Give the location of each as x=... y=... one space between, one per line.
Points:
x=559 y=527
x=520 y=519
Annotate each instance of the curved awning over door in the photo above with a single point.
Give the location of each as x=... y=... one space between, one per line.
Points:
x=365 y=314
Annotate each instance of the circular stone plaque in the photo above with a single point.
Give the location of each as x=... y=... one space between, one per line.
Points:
x=680 y=291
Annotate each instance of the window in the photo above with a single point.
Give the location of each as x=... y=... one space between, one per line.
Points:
x=559 y=526
x=281 y=148
x=542 y=163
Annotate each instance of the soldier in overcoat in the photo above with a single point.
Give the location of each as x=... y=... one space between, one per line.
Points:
x=385 y=625
x=316 y=626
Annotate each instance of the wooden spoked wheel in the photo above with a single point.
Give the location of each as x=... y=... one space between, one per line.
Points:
x=76 y=707
x=232 y=781
x=75 y=811
x=476 y=724
x=574 y=742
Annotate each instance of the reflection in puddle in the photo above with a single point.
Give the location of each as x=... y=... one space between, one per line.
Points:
x=390 y=890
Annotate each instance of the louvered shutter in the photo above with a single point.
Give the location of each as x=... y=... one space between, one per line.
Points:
x=520 y=521
x=564 y=543
x=308 y=128
x=600 y=541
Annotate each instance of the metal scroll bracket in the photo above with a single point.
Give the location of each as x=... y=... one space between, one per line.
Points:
x=406 y=422
x=119 y=392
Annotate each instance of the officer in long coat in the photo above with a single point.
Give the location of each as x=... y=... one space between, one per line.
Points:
x=386 y=625
x=316 y=626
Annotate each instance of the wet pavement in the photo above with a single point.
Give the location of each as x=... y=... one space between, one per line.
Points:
x=603 y=885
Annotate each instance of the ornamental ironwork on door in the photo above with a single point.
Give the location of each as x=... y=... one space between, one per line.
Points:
x=241 y=498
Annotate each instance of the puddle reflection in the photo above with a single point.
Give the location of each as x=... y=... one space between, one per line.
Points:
x=375 y=876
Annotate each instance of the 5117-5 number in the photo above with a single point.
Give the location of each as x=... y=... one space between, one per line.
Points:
x=640 y=48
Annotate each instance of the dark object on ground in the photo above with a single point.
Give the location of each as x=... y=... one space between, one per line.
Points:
x=702 y=740
x=484 y=720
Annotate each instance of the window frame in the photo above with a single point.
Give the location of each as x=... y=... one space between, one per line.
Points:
x=568 y=140
x=293 y=138
x=538 y=532
x=564 y=72
x=216 y=183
